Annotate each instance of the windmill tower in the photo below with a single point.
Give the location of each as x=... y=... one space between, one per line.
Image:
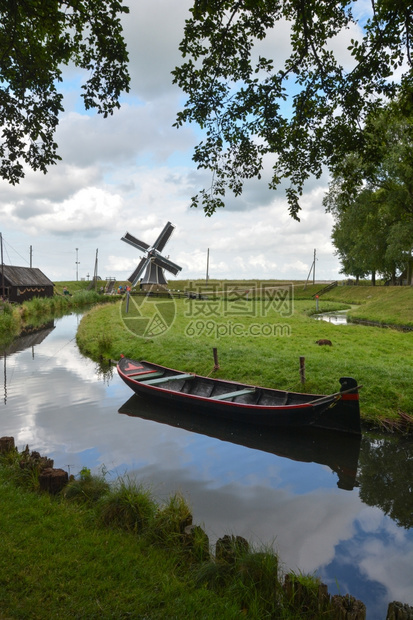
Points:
x=153 y=262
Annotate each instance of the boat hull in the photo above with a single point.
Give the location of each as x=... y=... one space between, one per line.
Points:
x=244 y=403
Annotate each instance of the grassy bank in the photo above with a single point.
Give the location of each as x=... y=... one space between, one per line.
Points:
x=14 y=317
x=262 y=345
x=100 y=551
x=386 y=305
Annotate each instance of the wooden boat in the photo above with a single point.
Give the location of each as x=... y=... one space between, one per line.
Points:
x=338 y=451
x=245 y=403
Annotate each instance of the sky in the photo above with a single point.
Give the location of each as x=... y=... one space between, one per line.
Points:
x=134 y=172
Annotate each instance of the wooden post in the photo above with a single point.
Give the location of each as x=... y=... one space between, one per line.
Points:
x=215 y=352
x=53 y=480
x=229 y=548
x=399 y=611
x=311 y=598
x=6 y=445
x=127 y=301
x=347 y=608
x=302 y=369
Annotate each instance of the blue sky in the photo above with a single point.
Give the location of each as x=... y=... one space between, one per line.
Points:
x=133 y=171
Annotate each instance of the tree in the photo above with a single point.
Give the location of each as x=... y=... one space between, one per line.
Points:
x=241 y=99
x=372 y=198
x=360 y=235
x=37 y=38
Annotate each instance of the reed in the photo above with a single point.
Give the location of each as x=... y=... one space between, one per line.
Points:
x=10 y=322
x=14 y=317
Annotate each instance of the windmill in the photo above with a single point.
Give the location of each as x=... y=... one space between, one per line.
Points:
x=153 y=262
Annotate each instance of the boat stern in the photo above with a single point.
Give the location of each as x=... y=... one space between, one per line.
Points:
x=344 y=414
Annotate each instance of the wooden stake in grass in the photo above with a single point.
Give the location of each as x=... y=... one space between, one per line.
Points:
x=302 y=369
x=6 y=444
x=215 y=352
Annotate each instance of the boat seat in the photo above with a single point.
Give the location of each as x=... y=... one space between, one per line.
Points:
x=148 y=374
x=233 y=394
x=151 y=381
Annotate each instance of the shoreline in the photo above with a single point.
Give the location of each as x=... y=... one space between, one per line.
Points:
x=220 y=571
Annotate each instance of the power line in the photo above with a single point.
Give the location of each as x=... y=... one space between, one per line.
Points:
x=14 y=250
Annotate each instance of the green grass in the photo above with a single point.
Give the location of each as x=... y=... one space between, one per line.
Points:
x=265 y=347
x=37 y=311
x=386 y=305
x=113 y=552
x=10 y=322
x=55 y=564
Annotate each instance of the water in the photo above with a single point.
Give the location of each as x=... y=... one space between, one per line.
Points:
x=338 y=317
x=313 y=513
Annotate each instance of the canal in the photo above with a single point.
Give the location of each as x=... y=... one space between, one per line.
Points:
x=342 y=509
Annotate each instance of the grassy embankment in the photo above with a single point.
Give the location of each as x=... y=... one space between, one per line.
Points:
x=380 y=359
x=14 y=317
x=386 y=305
x=113 y=552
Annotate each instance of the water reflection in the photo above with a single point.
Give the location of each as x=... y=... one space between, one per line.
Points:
x=338 y=451
x=386 y=477
x=361 y=540
x=28 y=339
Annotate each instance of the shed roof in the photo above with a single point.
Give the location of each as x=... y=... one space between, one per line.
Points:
x=24 y=276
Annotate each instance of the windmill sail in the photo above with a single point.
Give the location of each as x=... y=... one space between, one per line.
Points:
x=134 y=277
x=136 y=243
x=165 y=263
x=163 y=238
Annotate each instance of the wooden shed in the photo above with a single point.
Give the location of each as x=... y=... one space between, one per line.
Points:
x=23 y=283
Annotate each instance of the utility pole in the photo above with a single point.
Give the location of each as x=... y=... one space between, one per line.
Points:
x=77 y=263
x=31 y=257
x=95 y=273
x=2 y=265
x=314 y=267
x=207 y=269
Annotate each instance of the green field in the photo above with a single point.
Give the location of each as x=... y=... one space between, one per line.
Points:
x=260 y=329
x=261 y=342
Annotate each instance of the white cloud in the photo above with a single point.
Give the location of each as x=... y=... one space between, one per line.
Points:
x=90 y=211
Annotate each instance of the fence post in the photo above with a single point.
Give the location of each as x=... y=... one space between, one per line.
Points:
x=215 y=352
x=302 y=369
